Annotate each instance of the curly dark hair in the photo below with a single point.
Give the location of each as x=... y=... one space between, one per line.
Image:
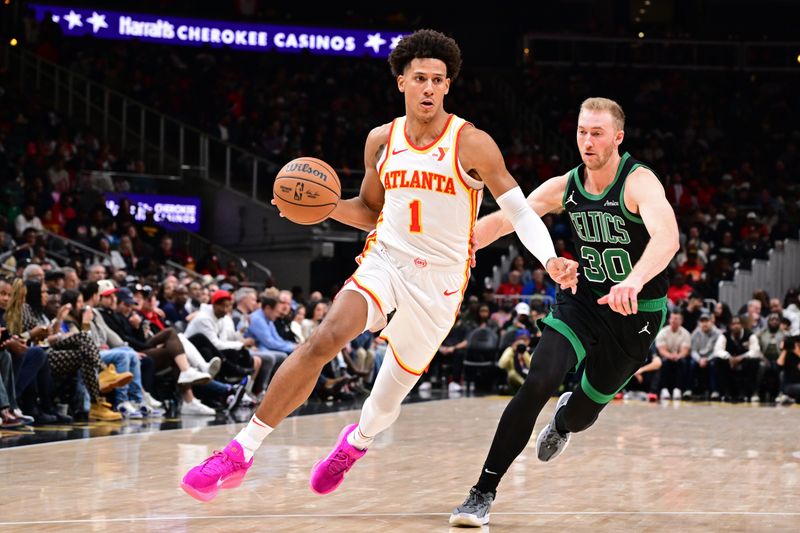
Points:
x=426 y=44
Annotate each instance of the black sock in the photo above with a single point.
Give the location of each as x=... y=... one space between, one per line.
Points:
x=560 y=422
x=551 y=361
x=488 y=481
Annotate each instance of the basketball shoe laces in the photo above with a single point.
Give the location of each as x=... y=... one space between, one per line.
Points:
x=341 y=462
x=475 y=499
x=218 y=464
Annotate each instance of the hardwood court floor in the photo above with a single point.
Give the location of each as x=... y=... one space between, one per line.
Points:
x=690 y=467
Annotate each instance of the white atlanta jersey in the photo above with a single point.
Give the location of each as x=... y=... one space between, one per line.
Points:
x=431 y=203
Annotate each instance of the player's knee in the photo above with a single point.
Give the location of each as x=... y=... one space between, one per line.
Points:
x=325 y=342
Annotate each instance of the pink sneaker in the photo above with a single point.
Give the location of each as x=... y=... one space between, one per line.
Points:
x=225 y=469
x=328 y=473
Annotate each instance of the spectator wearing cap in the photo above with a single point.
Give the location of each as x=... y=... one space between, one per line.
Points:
x=516 y=359
x=54 y=279
x=704 y=339
x=209 y=333
x=674 y=343
x=770 y=339
x=521 y=319
x=147 y=305
x=165 y=348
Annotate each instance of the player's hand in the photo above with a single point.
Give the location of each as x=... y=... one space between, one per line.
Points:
x=564 y=272
x=622 y=297
x=279 y=211
x=473 y=247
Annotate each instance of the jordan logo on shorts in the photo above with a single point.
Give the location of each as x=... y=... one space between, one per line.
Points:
x=645 y=330
x=570 y=199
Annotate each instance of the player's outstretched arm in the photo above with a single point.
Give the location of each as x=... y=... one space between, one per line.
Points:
x=482 y=159
x=362 y=211
x=645 y=194
x=546 y=198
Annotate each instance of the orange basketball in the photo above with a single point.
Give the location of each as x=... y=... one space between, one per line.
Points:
x=306 y=190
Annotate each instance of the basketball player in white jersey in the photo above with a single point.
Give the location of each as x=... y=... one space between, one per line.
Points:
x=425 y=174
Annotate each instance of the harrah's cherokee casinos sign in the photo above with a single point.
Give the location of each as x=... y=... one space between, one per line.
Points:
x=166 y=29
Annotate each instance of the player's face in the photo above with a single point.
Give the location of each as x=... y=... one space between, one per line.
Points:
x=424 y=84
x=598 y=138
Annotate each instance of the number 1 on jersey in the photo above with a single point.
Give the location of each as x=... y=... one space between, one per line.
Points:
x=416 y=217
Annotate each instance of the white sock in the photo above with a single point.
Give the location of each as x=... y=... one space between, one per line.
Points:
x=252 y=436
x=357 y=440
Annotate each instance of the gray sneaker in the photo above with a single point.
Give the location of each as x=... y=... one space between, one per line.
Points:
x=550 y=443
x=474 y=512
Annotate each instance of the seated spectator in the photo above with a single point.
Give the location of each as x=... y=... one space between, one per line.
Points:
x=165 y=348
x=679 y=290
x=513 y=286
x=704 y=339
x=451 y=353
x=122 y=361
x=674 y=343
x=754 y=316
x=67 y=353
x=175 y=313
x=789 y=361
x=739 y=347
x=208 y=333
x=516 y=360
x=27 y=219
x=692 y=310
x=262 y=328
x=770 y=340
x=692 y=268
x=645 y=381
x=519 y=265
x=541 y=285
x=722 y=316
x=33 y=382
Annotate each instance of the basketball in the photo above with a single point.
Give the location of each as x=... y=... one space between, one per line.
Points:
x=306 y=190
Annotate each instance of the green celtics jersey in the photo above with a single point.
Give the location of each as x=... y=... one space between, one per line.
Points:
x=608 y=238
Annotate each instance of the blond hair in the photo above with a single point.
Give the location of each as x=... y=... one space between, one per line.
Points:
x=14 y=312
x=606 y=104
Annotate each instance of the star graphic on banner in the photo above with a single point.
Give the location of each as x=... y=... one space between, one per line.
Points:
x=374 y=41
x=97 y=21
x=74 y=19
x=395 y=41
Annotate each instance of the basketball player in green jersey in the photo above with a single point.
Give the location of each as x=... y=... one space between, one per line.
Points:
x=625 y=234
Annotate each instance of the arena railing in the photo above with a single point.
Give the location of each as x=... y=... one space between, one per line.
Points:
x=776 y=276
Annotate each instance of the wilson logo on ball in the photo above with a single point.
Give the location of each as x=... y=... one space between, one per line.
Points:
x=306 y=168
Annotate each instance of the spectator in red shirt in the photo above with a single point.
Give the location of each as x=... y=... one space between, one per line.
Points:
x=679 y=290
x=692 y=268
x=513 y=286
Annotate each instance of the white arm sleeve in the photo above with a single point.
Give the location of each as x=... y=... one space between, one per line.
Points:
x=529 y=227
